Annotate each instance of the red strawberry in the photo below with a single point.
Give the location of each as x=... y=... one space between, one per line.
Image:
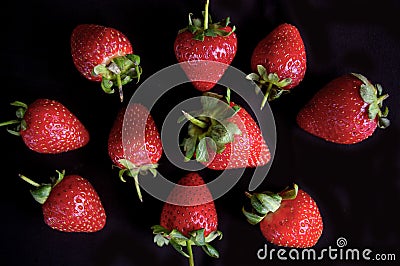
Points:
x=280 y=61
x=347 y=110
x=138 y=148
x=189 y=217
x=69 y=204
x=290 y=218
x=225 y=136
x=47 y=126
x=104 y=54
x=205 y=50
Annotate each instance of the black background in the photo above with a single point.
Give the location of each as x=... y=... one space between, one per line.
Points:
x=356 y=186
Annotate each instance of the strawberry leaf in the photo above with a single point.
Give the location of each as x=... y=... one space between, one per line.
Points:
x=284 y=82
x=189 y=146
x=14 y=132
x=160 y=240
x=178 y=237
x=208 y=102
x=265 y=203
x=202 y=151
x=40 y=194
x=127 y=164
x=368 y=93
x=178 y=248
x=197 y=23
x=198 y=237
x=213 y=235
x=262 y=71
x=385 y=112
x=19 y=104
x=383 y=122
x=20 y=112
x=210 y=33
x=157 y=229
x=19 y=123
x=289 y=192
x=252 y=218
x=253 y=77
x=106 y=85
x=220 y=134
x=373 y=110
x=210 y=251
x=200 y=28
x=379 y=88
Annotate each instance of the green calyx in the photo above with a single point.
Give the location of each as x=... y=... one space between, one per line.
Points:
x=209 y=128
x=373 y=95
x=120 y=71
x=164 y=236
x=202 y=28
x=19 y=123
x=272 y=81
x=42 y=191
x=131 y=170
x=264 y=203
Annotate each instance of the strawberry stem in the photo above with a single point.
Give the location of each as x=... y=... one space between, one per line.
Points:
x=206 y=15
x=265 y=99
x=136 y=178
x=33 y=183
x=190 y=251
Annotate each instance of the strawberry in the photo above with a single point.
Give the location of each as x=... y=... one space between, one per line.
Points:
x=346 y=110
x=69 y=204
x=189 y=217
x=290 y=218
x=279 y=60
x=135 y=145
x=47 y=126
x=224 y=136
x=105 y=55
x=205 y=50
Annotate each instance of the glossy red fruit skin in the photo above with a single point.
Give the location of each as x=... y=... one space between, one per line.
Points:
x=337 y=113
x=221 y=49
x=282 y=52
x=249 y=148
x=93 y=44
x=192 y=213
x=139 y=148
x=74 y=206
x=52 y=128
x=297 y=223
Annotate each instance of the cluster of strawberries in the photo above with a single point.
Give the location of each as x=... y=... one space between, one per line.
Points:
x=347 y=110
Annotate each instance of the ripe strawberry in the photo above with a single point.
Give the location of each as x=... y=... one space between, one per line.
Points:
x=347 y=110
x=70 y=204
x=134 y=143
x=105 y=55
x=205 y=50
x=279 y=60
x=225 y=136
x=47 y=126
x=290 y=218
x=189 y=217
